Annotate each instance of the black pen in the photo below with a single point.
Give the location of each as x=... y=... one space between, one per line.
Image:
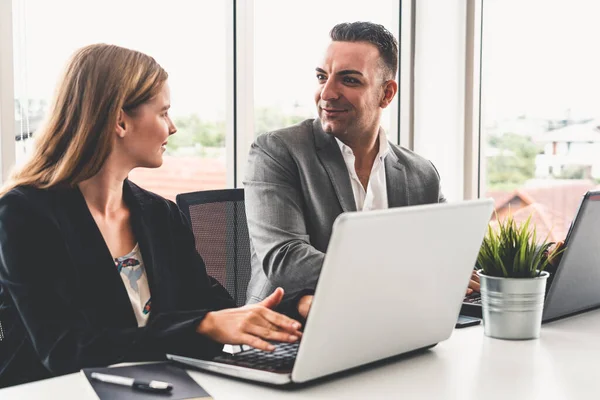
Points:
x=152 y=386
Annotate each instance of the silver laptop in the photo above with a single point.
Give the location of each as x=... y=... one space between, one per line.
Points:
x=576 y=285
x=392 y=282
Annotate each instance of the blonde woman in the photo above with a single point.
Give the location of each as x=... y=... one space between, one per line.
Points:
x=95 y=270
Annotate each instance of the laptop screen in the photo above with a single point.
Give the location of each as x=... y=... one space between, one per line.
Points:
x=576 y=285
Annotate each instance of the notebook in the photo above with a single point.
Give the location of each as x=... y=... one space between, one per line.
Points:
x=184 y=387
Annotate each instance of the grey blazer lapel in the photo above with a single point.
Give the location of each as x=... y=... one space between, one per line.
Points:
x=331 y=158
x=396 y=182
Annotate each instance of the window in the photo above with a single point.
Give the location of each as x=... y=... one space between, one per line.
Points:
x=289 y=47
x=539 y=129
x=187 y=37
x=266 y=82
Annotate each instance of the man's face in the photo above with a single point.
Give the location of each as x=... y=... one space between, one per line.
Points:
x=350 y=90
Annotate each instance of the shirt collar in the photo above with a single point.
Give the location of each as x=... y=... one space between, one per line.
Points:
x=384 y=146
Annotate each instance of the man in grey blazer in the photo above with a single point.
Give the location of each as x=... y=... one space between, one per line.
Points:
x=300 y=178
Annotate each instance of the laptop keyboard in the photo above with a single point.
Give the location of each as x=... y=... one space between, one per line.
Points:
x=473 y=298
x=280 y=360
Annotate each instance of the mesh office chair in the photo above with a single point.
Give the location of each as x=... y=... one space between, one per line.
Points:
x=218 y=219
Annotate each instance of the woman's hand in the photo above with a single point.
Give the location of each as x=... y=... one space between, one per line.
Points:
x=251 y=324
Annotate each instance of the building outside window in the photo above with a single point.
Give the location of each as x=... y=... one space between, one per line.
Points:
x=540 y=135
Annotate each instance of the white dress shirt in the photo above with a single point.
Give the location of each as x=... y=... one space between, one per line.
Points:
x=375 y=197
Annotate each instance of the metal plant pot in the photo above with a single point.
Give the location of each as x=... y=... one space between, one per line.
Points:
x=512 y=307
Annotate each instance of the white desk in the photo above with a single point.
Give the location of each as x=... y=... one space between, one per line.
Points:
x=563 y=364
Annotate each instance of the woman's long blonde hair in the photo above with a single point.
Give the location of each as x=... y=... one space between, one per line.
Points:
x=76 y=139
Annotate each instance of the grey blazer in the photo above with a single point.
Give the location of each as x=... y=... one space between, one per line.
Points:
x=296 y=185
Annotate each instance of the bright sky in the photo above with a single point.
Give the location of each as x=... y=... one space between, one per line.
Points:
x=189 y=39
x=540 y=57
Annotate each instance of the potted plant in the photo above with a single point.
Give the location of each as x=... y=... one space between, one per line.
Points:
x=513 y=281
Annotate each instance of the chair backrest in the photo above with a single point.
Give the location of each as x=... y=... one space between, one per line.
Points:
x=218 y=219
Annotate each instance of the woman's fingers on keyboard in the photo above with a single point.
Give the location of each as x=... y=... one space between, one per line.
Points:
x=271 y=332
x=257 y=342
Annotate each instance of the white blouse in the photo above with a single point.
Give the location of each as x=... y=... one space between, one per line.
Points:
x=133 y=274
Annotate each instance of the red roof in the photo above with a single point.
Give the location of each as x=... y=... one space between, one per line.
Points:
x=501 y=197
x=181 y=175
x=551 y=206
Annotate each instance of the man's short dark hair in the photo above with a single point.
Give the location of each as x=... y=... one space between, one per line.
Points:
x=372 y=33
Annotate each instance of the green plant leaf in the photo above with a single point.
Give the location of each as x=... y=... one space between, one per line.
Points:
x=512 y=251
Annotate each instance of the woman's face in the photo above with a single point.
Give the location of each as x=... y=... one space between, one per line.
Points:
x=147 y=130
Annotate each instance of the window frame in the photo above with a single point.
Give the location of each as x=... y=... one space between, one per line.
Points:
x=474 y=163
x=446 y=80
x=239 y=120
x=7 y=107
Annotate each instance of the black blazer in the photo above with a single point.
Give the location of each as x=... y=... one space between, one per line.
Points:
x=63 y=305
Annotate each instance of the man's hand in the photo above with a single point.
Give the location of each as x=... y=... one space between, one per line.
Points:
x=556 y=254
x=473 y=283
x=304 y=305
x=251 y=325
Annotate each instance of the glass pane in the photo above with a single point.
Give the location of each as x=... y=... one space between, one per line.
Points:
x=288 y=48
x=187 y=37
x=540 y=83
